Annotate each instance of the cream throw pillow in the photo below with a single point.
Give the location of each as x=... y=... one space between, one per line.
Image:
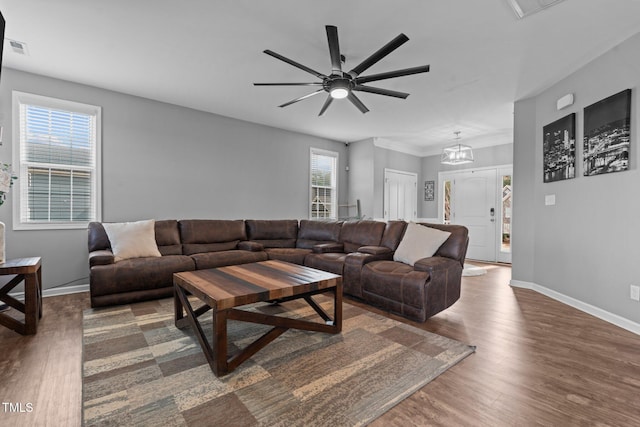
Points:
x=419 y=242
x=132 y=239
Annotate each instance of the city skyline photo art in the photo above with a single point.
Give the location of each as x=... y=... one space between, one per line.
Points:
x=559 y=149
x=607 y=131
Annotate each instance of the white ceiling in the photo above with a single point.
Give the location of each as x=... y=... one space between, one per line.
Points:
x=205 y=54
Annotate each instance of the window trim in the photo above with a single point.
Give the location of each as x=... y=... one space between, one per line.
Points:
x=22 y=98
x=336 y=155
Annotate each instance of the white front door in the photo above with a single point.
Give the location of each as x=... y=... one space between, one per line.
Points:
x=474 y=206
x=400 y=195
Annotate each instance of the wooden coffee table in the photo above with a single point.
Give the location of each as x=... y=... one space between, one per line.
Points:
x=223 y=289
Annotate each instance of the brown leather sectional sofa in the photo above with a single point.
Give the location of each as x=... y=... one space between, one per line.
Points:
x=361 y=251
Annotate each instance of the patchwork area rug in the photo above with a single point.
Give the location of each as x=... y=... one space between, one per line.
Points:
x=139 y=370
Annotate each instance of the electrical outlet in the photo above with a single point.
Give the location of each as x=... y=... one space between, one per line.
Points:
x=634 y=292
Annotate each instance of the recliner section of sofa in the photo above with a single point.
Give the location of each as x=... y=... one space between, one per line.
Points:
x=136 y=279
x=286 y=240
x=360 y=251
x=429 y=286
x=391 y=237
x=353 y=236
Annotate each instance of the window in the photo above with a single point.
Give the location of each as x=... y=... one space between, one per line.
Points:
x=56 y=156
x=324 y=187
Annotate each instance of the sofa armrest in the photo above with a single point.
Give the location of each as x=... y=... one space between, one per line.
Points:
x=352 y=270
x=444 y=283
x=247 y=245
x=101 y=257
x=375 y=250
x=323 y=248
x=434 y=263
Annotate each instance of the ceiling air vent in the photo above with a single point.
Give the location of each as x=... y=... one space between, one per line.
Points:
x=524 y=8
x=18 y=47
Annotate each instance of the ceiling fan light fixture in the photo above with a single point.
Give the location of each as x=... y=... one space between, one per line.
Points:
x=340 y=84
x=339 y=89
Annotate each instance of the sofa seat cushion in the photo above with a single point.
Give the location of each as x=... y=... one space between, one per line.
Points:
x=138 y=274
x=292 y=255
x=395 y=281
x=331 y=262
x=224 y=258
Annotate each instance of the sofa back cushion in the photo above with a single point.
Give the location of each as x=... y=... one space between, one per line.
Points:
x=361 y=233
x=98 y=239
x=419 y=242
x=393 y=232
x=455 y=246
x=167 y=237
x=210 y=235
x=275 y=233
x=312 y=232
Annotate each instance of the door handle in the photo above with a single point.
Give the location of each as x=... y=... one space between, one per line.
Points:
x=492 y=212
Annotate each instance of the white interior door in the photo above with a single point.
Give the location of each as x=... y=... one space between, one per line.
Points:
x=474 y=206
x=400 y=195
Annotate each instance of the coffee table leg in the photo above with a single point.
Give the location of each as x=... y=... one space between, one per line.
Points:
x=31 y=304
x=177 y=307
x=219 y=352
x=216 y=354
x=337 y=307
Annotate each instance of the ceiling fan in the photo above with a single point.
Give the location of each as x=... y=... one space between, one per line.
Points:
x=340 y=84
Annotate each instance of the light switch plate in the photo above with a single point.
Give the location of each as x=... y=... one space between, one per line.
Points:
x=550 y=199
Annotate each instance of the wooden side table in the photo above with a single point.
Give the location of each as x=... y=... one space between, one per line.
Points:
x=28 y=270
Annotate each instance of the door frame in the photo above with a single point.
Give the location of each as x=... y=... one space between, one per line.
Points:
x=501 y=256
x=450 y=174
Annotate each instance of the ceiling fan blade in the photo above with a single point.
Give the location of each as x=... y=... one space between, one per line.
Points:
x=380 y=91
x=326 y=105
x=391 y=74
x=379 y=54
x=295 y=64
x=355 y=101
x=288 y=84
x=293 y=101
x=334 y=50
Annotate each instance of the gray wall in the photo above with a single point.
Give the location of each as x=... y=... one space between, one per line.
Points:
x=497 y=155
x=586 y=246
x=164 y=161
x=361 y=181
x=366 y=174
x=389 y=159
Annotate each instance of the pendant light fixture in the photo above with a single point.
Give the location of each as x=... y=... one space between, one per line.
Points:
x=457 y=154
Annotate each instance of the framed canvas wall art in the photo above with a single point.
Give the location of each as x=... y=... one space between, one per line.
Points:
x=607 y=134
x=559 y=149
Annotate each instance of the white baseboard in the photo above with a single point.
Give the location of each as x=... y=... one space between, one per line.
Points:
x=582 y=306
x=54 y=292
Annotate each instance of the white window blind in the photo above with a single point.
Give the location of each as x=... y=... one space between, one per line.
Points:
x=57 y=161
x=324 y=178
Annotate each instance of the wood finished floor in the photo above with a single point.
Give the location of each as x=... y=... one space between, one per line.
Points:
x=538 y=362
